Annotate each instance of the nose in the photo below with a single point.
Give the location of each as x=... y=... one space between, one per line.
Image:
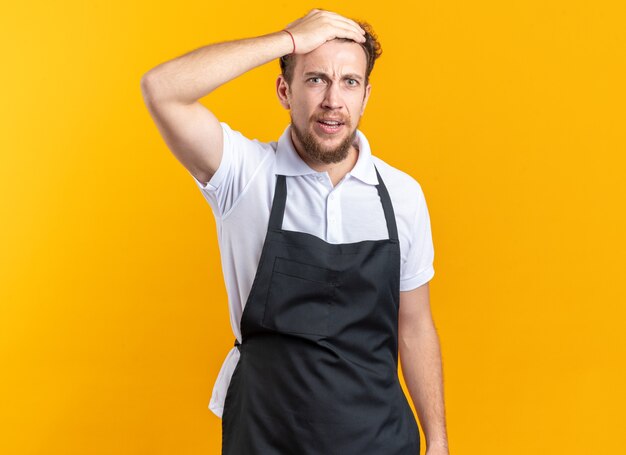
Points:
x=332 y=97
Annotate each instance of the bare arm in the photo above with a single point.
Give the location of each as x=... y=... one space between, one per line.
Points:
x=171 y=92
x=194 y=75
x=420 y=358
x=172 y=89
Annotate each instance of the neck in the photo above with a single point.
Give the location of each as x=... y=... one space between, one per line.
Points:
x=336 y=171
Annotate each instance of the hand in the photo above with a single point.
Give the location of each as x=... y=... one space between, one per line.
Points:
x=318 y=26
x=438 y=449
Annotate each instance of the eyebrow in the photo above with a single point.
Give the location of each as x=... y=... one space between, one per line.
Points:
x=321 y=73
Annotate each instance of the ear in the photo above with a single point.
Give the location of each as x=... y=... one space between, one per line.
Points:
x=368 y=89
x=282 y=90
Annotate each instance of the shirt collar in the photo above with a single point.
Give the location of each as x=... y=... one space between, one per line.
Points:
x=288 y=162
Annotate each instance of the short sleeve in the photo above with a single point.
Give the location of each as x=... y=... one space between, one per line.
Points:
x=418 y=267
x=241 y=157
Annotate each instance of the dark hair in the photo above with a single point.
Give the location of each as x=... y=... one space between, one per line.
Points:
x=371 y=46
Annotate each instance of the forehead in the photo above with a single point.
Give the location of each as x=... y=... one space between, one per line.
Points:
x=333 y=57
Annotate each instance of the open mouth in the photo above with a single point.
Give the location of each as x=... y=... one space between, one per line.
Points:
x=329 y=126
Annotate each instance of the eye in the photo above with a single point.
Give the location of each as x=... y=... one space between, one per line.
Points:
x=311 y=78
x=356 y=82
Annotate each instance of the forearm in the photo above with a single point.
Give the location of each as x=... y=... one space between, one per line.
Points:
x=197 y=73
x=420 y=357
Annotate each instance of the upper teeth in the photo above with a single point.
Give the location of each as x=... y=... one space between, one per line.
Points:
x=330 y=122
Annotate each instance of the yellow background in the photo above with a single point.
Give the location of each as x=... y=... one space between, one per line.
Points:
x=113 y=314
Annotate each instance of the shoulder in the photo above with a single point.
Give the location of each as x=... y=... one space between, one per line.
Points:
x=405 y=191
x=244 y=168
x=236 y=140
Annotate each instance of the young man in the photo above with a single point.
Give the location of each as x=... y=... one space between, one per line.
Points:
x=326 y=250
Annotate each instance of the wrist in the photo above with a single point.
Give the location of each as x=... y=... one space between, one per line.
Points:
x=439 y=443
x=292 y=40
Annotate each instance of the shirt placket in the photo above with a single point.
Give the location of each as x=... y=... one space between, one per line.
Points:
x=334 y=232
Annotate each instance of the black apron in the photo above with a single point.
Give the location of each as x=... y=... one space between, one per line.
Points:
x=318 y=366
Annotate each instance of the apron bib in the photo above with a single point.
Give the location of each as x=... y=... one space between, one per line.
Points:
x=318 y=366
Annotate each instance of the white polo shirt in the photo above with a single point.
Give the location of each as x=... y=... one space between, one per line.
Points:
x=240 y=194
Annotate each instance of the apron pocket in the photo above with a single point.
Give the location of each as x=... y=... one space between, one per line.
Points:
x=300 y=297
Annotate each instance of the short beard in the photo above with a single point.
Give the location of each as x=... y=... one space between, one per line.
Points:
x=314 y=150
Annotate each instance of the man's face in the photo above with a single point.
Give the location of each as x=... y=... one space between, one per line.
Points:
x=328 y=84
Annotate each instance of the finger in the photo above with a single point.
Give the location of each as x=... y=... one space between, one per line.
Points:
x=349 y=32
x=358 y=31
x=349 y=22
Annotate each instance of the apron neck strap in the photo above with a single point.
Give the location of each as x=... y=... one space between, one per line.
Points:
x=387 y=207
x=280 y=199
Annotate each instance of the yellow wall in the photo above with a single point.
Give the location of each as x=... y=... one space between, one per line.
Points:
x=113 y=312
